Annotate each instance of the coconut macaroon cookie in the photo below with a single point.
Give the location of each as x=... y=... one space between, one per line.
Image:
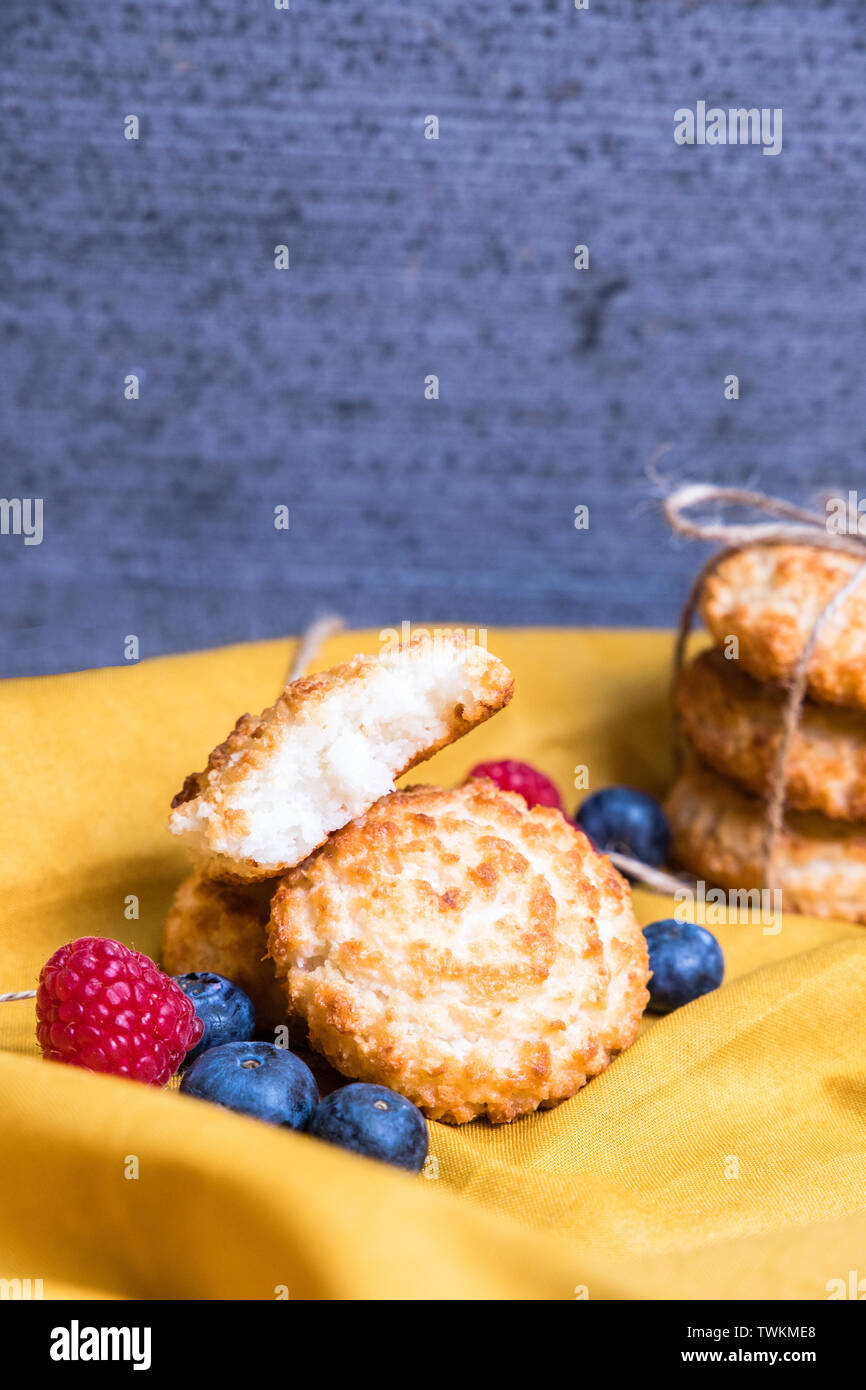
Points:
x=328 y=748
x=734 y=723
x=477 y=956
x=718 y=836
x=223 y=928
x=769 y=597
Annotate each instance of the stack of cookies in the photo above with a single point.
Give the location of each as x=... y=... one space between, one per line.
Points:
x=473 y=953
x=760 y=605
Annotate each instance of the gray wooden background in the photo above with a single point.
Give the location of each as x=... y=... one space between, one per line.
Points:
x=409 y=257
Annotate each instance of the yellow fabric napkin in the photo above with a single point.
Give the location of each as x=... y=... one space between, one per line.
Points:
x=724 y=1155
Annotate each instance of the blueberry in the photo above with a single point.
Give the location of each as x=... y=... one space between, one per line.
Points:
x=374 y=1121
x=255 y=1078
x=227 y=1013
x=628 y=822
x=686 y=961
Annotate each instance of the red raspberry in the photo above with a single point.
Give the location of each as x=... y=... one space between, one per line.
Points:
x=102 y=1006
x=533 y=786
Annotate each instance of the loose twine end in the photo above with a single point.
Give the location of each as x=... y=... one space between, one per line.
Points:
x=311 y=643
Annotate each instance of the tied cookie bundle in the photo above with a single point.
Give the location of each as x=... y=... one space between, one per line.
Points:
x=770 y=722
x=463 y=948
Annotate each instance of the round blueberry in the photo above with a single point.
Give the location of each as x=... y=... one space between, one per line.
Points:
x=627 y=822
x=374 y=1121
x=255 y=1078
x=686 y=961
x=227 y=1013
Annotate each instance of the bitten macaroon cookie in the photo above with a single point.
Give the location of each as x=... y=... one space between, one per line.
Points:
x=718 y=835
x=223 y=928
x=477 y=956
x=330 y=746
x=734 y=723
x=769 y=597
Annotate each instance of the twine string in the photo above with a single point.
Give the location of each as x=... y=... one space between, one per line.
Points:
x=313 y=639
x=797 y=526
x=660 y=879
x=810 y=529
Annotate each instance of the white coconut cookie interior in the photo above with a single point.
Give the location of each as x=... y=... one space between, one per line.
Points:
x=326 y=751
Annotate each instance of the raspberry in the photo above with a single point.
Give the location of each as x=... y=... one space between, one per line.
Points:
x=105 y=1007
x=511 y=776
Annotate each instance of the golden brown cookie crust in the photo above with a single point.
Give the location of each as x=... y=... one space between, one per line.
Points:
x=224 y=928
x=475 y=955
x=734 y=724
x=210 y=810
x=769 y=597
x=717 y=836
